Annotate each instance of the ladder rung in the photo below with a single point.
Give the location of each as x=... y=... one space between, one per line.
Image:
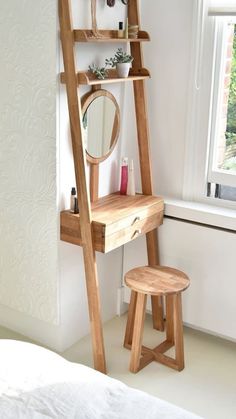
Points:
x=86 y=35
x=86 y=77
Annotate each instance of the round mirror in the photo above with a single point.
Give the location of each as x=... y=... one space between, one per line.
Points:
x=101 y=123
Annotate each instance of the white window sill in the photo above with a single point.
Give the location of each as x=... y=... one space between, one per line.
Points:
x=224 y=218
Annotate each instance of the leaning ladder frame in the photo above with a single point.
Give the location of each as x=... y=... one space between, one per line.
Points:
x=75 y=115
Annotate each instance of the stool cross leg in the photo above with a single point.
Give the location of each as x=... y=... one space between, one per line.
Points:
x=167 y=282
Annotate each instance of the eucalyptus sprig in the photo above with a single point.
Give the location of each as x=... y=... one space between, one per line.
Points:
x=119 y=57
x=100 y=72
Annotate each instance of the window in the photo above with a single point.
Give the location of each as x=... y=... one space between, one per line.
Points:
x=222 y=153
x=210 y=171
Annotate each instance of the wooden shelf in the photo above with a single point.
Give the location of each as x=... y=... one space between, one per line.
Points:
x=86 y=35
x=116 y=220
x=88 y=78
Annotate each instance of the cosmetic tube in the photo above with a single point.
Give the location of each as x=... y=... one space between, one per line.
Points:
x=127 y=29
x=131 y=180
x=124 y=176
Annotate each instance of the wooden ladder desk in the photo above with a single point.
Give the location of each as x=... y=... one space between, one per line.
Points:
x=106 y=223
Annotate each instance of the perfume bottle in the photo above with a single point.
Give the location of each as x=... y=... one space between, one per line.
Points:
x=131 y=180
x=120 y=30
x=76 y=206
x=72 y=199
x=124 y=176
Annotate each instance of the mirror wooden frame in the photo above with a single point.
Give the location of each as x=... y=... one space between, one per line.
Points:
x=86 y=100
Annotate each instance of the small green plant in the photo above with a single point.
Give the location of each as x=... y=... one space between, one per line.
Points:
x=119 y=57
x=100 y=72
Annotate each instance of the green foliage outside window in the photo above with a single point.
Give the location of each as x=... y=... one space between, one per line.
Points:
x=230 y=153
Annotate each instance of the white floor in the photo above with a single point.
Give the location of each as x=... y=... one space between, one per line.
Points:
x=207 y=385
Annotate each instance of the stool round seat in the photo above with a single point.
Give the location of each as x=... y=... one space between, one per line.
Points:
x=156 y=280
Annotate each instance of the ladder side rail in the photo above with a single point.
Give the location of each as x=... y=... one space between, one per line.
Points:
x=144 y=156
x=74 y=105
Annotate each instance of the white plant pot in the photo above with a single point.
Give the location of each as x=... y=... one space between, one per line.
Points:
x=123 y=69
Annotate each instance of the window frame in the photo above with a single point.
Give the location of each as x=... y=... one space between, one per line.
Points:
x=215 y=175
x=200 y=108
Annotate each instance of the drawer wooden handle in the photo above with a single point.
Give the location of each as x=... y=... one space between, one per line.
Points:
x=136 y=220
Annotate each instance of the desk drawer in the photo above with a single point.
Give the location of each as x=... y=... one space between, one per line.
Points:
x=125 y=235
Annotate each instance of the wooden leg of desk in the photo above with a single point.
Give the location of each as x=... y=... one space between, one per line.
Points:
x=153 y=259
x=94 y=311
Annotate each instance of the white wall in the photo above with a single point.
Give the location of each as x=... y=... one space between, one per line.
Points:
x=207 y=255
x=28 y=212
x=168 y=57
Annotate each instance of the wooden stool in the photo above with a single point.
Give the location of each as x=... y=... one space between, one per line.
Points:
x=161 y=281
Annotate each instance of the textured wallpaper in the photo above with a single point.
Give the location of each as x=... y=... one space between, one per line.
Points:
x=28 y=215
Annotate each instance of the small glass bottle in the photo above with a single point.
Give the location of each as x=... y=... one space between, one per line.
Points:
x=120 y=30
x=124 y=176
x=72 y=199
x=76 y=206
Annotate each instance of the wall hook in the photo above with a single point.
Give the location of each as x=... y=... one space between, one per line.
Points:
x=111 y=3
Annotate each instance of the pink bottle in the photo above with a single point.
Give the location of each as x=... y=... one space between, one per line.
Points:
x=124 y=176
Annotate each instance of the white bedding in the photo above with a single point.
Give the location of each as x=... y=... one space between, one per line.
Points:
x=37 y=384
